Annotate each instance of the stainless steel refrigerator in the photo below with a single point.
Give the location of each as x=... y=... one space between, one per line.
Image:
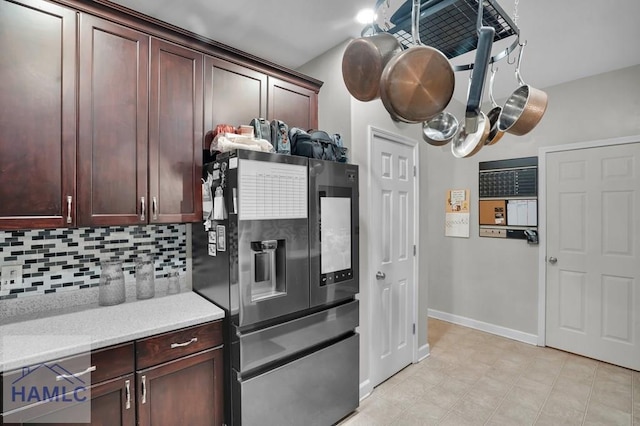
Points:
x=280 y=256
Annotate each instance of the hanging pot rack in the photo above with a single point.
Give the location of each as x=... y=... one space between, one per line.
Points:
x=448 y=25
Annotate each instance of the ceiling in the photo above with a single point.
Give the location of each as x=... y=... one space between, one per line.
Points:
x=567 y=39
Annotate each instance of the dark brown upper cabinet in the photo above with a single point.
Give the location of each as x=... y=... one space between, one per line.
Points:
x=233 y=94
x=295 y=105
x=175 y=133
x=37 y=114
x=113 y=123
x=104 y=114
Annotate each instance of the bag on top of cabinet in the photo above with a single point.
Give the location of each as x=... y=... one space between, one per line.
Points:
x=261 y=129
x=337 y=139
x=280 y=137
x=313 y=144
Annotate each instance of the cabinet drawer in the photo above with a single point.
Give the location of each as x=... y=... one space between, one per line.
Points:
x=104 y=364
x=112 y=403
x=165 y=347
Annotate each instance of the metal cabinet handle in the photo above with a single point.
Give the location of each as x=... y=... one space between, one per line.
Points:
x=127 y=390
x=69 y=202
x=142 y=209
x=181 y=345
x=553 y=260
x=380 y=275
x=144 y=389
x=154 y=208
x=73 y=376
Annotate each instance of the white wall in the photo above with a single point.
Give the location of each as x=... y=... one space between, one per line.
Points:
x=482 y=279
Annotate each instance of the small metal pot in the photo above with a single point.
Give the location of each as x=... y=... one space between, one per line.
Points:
x=441 y=129
x=363 y=61
x=524 y=108
x=467 y=144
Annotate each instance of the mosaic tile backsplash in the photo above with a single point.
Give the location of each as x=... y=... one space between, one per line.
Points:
x=55 y=260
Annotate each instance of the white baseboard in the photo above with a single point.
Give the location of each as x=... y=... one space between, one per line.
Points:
x=365 y=389
x=423 y=352
x=498 y=330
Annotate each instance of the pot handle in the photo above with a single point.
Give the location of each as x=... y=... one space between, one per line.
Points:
x=491 y=79
x=415 y=23
x=520 y=81
x=483 y=53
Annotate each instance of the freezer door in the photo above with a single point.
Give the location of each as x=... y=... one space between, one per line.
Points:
x=318 y=389
x=265 y=346
x=333 y=231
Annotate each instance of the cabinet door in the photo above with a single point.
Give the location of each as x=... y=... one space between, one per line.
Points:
x=175 y=133
x=113 y=122
x=186 y=391
x=112 y=404
x=297 y=106
x=37 y=114
x=233 y=94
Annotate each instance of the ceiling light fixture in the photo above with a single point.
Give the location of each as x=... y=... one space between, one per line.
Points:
x=366 y=16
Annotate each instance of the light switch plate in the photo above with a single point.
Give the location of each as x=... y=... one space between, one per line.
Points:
x=10 y=278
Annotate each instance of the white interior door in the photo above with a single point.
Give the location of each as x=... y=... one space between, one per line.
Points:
x=593 y=253
x=392 y=255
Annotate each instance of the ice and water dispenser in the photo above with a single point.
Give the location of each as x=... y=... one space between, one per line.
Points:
x=267 y=266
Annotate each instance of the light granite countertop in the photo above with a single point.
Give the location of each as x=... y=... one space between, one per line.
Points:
x=44 y=338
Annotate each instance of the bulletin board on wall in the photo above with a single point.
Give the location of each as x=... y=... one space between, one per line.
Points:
x=508 y=197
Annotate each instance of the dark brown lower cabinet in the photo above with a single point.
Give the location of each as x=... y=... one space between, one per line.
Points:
x=185 y=391
x=112 y=404
x=177 y=381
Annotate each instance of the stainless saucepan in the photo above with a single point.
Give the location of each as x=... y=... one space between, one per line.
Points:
x=467 y=143
x=524 y=108
x=441 y=129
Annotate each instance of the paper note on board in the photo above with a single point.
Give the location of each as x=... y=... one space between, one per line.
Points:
x=456 y=225
x=457 y=213
x=532 y=213
x=269 y=190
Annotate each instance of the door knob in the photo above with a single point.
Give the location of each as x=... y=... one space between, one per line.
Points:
x=553 y=260
x=380 y=275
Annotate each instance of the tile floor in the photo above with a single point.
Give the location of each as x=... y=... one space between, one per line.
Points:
x=476 y=378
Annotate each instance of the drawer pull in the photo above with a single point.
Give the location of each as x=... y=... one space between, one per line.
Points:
x=144 y=389
x=127 y=389
x=73 y=376
x=181 y=345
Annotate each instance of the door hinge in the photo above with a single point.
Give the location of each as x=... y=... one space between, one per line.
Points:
x=414 y=328
x=414 y=249
x=414 y=171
